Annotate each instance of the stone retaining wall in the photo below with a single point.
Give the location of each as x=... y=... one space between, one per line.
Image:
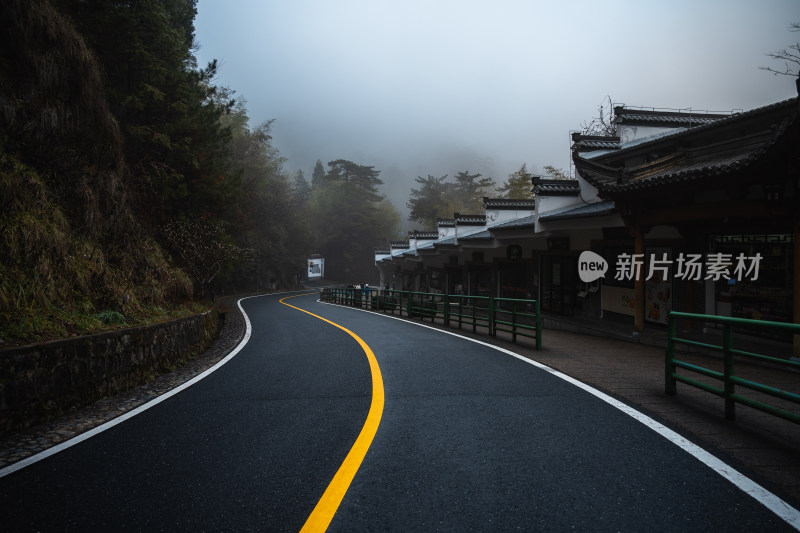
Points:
x=40 y=381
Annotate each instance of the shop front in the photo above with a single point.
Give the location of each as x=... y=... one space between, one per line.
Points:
x=762 y=288
x=560 y=283
x=480 y=276
x=515 y=279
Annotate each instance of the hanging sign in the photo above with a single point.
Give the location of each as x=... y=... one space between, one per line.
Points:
x=514 y=252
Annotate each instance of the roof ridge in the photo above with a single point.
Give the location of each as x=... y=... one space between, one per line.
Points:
x=705 y=127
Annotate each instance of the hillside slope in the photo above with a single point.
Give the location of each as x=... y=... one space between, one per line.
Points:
x=74 y=256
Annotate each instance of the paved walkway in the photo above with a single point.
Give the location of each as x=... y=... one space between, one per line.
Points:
x=761 y=446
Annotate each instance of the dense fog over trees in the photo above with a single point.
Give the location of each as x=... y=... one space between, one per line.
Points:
x=418 y=87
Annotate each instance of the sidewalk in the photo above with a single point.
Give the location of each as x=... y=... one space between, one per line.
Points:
x=621 y=328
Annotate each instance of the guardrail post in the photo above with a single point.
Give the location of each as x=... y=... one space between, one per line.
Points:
x=513 y=321
x=408 y=307
x=492 y=332
x=474 y=323
x=727 y=344
x=446 y=317
x=670 y=384
x=538 y=325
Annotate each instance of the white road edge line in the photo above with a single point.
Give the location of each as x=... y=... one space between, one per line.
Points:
x=19 y=465
x=772 y=502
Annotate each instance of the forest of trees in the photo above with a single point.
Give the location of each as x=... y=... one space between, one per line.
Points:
x=133 y=186
x=440 y=198
x=135 y=189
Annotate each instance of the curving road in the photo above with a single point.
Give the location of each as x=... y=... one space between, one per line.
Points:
x=470 y=439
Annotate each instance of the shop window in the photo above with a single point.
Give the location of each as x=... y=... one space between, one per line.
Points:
x=560 y=284
x=769 y=297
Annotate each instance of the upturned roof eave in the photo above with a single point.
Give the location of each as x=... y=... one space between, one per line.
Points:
x=611 y=180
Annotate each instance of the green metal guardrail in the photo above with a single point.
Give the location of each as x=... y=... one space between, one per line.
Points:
x=518 y=317
x=520 y=309
x=727 y=376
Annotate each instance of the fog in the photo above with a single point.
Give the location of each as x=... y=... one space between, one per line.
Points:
x=435 y=87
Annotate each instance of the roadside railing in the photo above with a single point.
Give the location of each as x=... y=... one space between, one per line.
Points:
x=728 y=376
x=517 y=317
x=515 y=322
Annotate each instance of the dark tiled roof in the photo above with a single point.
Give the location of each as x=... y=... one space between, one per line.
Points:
x=624 y=115
x=588 y=143
x=598 y=145
x=552 y=187
x=481 y=235
x=424 y=234
x=399 y=245
x=382 y=251
x=581 y=211
x=718 y=150
x=445 y=222
x=525 y=222
x=446 y=242
x=470 y=220
x=790 y=105
x=509 y=203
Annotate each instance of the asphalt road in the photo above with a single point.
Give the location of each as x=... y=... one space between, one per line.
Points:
x=470 y=439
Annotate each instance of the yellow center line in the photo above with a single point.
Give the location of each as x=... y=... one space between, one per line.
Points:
x=326 y=507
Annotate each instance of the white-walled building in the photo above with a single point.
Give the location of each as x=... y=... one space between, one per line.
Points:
x=666 y=183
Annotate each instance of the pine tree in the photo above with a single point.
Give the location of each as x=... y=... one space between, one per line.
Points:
x=519 y=184
x=349 y=217
x=469 y=191
x=174 y=142
x=429 y=201
x=318 y=176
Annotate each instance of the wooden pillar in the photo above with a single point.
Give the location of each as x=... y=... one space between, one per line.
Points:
x=796 y=281
x=692 y=246
x=689 y=295
x=639 y=283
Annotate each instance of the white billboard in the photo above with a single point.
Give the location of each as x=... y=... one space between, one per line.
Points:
x=316 y=267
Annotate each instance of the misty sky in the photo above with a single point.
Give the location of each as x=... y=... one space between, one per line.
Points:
x=438 y=86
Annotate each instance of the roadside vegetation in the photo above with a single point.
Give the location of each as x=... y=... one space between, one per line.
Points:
x=134 y=190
